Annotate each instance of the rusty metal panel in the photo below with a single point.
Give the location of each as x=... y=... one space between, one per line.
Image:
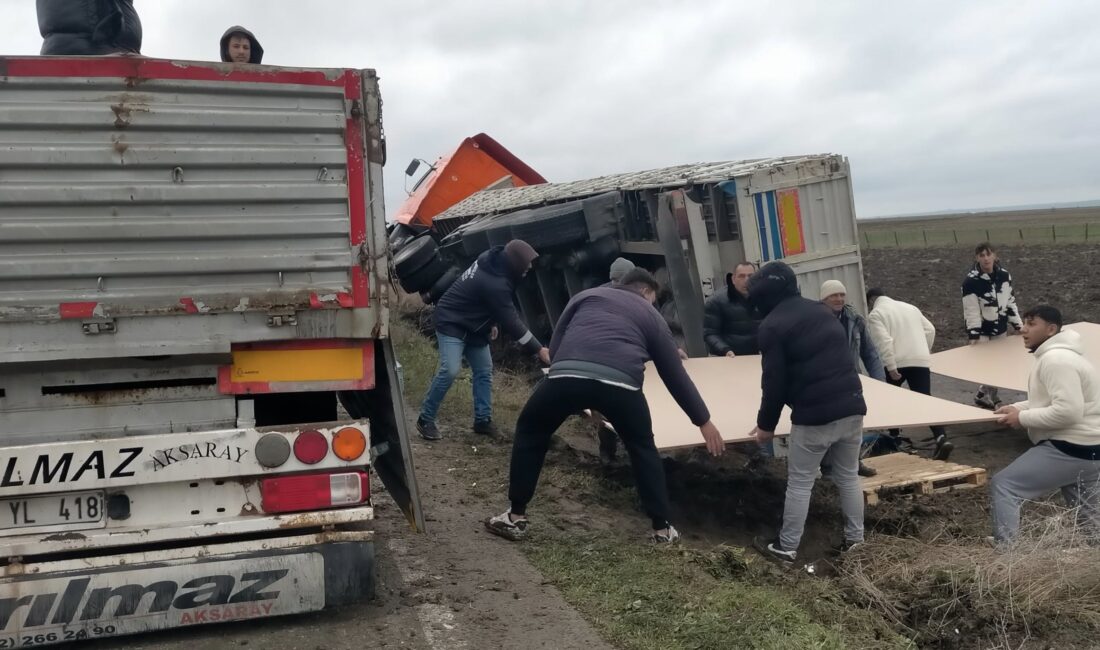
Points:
x=172 y=195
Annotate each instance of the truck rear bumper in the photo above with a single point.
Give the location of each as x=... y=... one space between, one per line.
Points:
x=85 y=540
x=55 y=602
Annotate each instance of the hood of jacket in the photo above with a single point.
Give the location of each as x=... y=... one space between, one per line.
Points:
x=495 y=262
x=257 y=52
x=1064 y=340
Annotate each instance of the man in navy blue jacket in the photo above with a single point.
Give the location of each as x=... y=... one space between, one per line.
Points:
x=466 y=319
x=599 y=350
x=808 y=366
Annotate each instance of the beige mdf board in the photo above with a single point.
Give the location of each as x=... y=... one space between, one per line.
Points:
x=1005 y=362
x=731 y=389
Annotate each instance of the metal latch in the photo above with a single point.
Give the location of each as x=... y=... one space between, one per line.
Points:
x=378 y=450
x=281 y=318
x=99 y=326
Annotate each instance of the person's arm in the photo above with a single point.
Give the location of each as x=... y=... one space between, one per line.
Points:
x=1067 y=400
x=929 y=331
x=662 y=349
x=499 y=300
x=773 y=380
x=712 y=328
x=868 y=353
x=884 y=343
x=972 y=312
x=1011 y=310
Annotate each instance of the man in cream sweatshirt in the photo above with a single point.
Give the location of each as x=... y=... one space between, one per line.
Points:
x=903 y=338
x=1062 y=417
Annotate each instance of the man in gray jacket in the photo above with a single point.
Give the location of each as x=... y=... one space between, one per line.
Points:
x=598 y=354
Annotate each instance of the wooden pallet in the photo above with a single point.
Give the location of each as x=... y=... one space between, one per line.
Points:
x=912 y=475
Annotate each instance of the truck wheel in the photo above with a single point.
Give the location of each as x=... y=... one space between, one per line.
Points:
x=431 y=296
x=423 y=278
x=401 y=235
x=415 y=255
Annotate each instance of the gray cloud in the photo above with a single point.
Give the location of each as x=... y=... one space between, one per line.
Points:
x=937 y=105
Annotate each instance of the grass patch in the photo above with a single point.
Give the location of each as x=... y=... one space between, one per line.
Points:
x=643 y=597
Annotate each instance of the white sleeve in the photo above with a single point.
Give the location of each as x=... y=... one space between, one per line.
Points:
x=1067 y=400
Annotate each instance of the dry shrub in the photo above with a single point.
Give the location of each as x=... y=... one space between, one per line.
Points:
x=952 y=591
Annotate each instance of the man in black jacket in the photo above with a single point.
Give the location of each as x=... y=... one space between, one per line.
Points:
x=466 y=318
x=807 y=365
x=599 y=350
x=729 y=321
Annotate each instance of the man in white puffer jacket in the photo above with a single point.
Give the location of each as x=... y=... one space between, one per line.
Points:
x=1062 y=417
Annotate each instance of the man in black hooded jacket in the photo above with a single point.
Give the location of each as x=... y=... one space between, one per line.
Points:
x=729 y=321
x=808 y=366
x=466 y=319
x=238 y=45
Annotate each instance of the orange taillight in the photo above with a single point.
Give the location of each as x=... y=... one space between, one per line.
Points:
x=349 y=443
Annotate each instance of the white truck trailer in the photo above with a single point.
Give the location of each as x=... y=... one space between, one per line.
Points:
x=193 y=280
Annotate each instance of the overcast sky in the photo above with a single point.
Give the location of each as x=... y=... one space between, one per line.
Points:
x=937 y=105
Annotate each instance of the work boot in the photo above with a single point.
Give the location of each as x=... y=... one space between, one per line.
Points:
x=428 y=430
x=944 y=447
x=486 y=428
x=609 y=445
x=866 y=470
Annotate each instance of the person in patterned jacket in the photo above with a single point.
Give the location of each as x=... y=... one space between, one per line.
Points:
x=989 y=308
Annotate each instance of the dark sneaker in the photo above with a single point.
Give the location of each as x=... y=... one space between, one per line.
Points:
x=866 y=470
x=984 y=401
x=848 y=546
x=670 y=536
x=772 y=551
x=503 y=526
x=609 y=445
x=944 y=447
x=486 y=428
x=428 y=430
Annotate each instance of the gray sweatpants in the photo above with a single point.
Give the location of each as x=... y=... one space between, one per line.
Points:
x=839 y=439
x=1035 y=474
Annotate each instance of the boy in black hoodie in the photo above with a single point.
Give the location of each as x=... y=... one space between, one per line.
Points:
x=239 y=45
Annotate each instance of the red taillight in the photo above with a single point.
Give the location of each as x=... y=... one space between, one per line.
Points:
x=310 y=447
x=314 y=491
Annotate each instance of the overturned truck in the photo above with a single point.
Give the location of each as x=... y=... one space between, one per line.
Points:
x=689 y=224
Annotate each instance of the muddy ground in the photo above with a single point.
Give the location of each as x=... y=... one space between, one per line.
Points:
x=1065 y=275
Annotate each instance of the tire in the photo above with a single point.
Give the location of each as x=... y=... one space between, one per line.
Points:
x=400 y=236
x=431 y=296
x=415 y=255
x=423 y=278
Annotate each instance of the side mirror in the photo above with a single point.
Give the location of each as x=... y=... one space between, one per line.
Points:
x=411 y=169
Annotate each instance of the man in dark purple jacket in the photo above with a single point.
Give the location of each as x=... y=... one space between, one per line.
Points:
x=598 y=354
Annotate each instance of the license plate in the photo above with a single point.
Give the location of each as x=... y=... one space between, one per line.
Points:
x=79 y=508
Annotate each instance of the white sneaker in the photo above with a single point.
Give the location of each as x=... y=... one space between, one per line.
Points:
x=503 y=526
x=670 y=537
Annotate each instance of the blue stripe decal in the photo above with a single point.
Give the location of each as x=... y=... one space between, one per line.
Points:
x=763 y=226
x=773 y=221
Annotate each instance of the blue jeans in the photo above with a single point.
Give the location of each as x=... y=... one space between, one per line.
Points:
x=451 y=351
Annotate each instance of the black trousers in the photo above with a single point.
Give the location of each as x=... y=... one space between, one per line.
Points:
x=553 y=401
x=919 y=380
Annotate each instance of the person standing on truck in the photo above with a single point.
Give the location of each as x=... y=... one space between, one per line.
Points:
x=729 y=321
x=807 y=365
x=989 y=309
x=903 y=338
x=1062 y=418
x=599 y=350
x=238 y=45
x=466 y=319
